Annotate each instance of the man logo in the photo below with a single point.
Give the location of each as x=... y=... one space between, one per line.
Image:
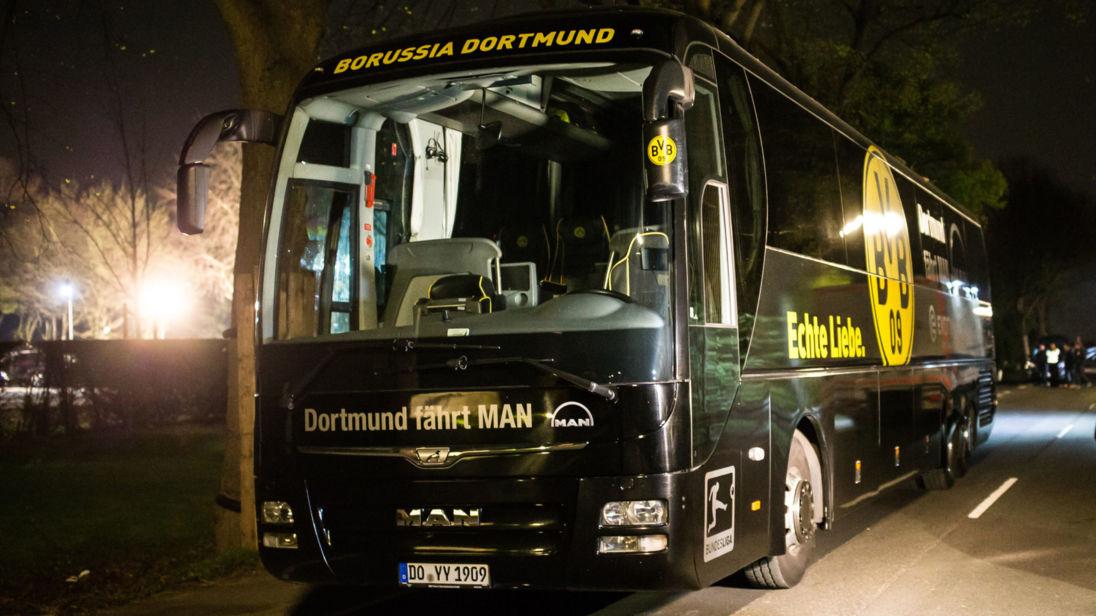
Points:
x=438 y=517
x=571 y=415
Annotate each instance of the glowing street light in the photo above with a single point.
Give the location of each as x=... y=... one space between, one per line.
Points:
x=67 y=291
x=161 y=300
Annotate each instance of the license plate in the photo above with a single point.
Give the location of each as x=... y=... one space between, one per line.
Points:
x=445 y=574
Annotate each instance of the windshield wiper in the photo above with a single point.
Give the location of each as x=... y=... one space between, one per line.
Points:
x=605 y=391
x=292 y=391
x=409 y=344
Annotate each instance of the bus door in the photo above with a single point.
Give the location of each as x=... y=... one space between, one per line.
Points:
x=713 y=332
x=722 y=429
x=731 y=418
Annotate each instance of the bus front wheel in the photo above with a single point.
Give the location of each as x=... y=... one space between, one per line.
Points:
x=802 y=515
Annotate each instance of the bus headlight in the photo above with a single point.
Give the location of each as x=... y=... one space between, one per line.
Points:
x=632 y=544
x=277 y=512
x=634 y=513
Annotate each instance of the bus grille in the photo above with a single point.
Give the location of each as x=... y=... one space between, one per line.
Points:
x=460 y=518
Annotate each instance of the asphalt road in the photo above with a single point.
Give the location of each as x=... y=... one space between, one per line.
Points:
x=1032 y=551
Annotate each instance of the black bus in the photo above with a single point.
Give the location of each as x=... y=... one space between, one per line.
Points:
x=591 y=300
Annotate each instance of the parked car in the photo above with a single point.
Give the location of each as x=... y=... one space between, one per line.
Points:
x=23 y=367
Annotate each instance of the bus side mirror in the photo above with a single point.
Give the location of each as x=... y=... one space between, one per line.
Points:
x=190 y=197
x=667 y=93
x=664 y=160
x=246 y=125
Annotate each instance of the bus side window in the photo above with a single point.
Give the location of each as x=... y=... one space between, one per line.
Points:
x=804 y=201
x=747 y=194
x=715 y=231
x=850 y=165
x=708 y=303
x=317 y=259
x=976 y=262
x=337 y=291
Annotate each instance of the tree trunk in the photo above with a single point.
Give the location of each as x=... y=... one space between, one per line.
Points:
x=275 y=46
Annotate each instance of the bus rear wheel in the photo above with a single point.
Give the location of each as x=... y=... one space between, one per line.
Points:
x=958 y=446
x=802 y=515
x=968 y=435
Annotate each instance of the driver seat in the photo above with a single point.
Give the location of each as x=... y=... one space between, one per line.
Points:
x=418 y=266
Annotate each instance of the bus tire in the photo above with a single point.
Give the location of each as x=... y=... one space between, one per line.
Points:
x=954 y=459
x=967 y=435
x=802 y=515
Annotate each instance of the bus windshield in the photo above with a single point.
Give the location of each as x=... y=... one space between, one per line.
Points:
x=464 y=204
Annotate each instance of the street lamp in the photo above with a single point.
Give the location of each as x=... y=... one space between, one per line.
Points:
x=66 y=290
x=161 y=300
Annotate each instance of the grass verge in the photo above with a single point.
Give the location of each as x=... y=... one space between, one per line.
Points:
x=135 y=512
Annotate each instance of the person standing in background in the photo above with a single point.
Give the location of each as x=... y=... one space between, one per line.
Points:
x=1079 y=354
x=1067 y=365
x=1053 y=356
x=1040 y=359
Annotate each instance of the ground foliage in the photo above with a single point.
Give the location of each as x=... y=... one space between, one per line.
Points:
x=133 y=511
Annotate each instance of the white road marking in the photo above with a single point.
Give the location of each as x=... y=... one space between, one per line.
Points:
x=992 y=498
x=1092 y=407
x=1065 y=430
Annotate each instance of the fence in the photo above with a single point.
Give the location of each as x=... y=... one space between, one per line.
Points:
x=98 y=385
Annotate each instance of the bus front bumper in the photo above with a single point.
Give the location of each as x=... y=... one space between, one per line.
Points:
x=533 y=532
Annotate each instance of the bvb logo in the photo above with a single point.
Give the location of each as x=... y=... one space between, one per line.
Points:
x=890 y=268
x=661 y=150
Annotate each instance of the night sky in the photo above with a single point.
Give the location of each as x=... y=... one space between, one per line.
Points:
x=1038 y=83
x=173 y=63
x=1039 y=88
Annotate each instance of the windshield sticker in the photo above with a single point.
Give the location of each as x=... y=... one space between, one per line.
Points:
x=889 y=261
x=831 y=337
x=477 y=45
x=718 y=512
x=661 y=150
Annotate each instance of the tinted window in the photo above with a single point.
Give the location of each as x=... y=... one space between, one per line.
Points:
x=747 y=193
x=958 y=253
x=850 y=164
x=325 y=143
x=804 y=203
x=717 y=297
x=707 y=261
x=316 y=286
x=951 y=255
x=977 y=262
x=930 y=262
